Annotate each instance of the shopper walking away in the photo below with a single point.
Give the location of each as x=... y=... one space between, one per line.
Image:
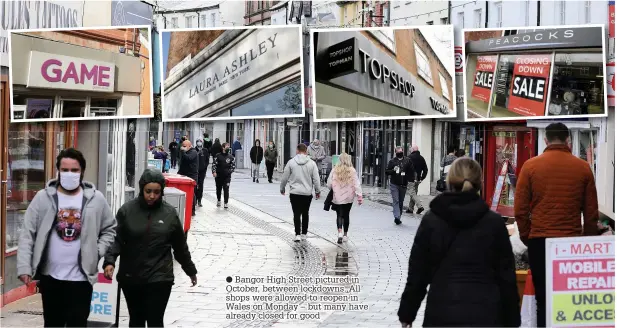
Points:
x=257 y=155
x=447 y=160
x=236 y=146
x=345 y=186
x=462 y=249
x=401 y=172
x=303 y=177
x=207 y=141
x=189 y=166
x=271 y=155
x=317 y=153
x=551 y=192
x=159 y=153
x=58 y=250
x=204 y=161
x=222 y=167
x=419 y=164
x=460 y=153
x=173 y=153
x=216 y=149
x=148 y=230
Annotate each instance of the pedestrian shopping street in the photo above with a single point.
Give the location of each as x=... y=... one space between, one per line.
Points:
x=254 y=237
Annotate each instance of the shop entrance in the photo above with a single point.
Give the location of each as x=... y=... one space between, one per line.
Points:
x=512 y=143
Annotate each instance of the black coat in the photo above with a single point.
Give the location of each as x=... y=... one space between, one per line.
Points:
x=463 y=251
x=216 y=149
x=204 y=158
x=257 y=154
x=189 y=164
x=145 y=236
x=223 y=165
x=405 y=166
x=173 y=149
x=419 y=164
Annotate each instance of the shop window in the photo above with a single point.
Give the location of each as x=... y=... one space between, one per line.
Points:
x=33 y=107
x=385 y=37
x=480 y=76
x=588 y=148
x=424 y=67
x=445 y=91
x=578 y=84
x=103 y=107
x=25 y=175
x=229 y=134
x=444 y=20
x=73 y=108
x=283 y=101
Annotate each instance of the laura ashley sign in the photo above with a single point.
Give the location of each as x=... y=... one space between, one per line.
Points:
x=34 y=15
x=69 y=73
x=256 y=55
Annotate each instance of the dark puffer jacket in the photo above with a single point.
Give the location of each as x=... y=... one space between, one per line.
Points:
x=145 y=236
x=462 y=250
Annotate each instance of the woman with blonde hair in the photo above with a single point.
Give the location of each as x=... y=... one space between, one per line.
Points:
x=345 y=186
x=462 y=249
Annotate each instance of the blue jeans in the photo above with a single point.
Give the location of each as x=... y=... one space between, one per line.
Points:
x=398 y=197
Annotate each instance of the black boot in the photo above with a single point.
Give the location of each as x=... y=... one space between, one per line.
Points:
x=253 y=179
x=199 y=203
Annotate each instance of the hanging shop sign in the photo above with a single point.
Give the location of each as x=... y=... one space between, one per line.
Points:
x=610 y=83
x=578 y=37
x=54 y=71
x=342 y=59
x=580 y=282
x=483 y=78
x=377 y=75
x=259 y=53
x=529 y=85
x=611 y=19
x=458 y=60
x=17 y=15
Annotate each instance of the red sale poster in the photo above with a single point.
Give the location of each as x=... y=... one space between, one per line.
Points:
x=529 y=85
x=483 y=79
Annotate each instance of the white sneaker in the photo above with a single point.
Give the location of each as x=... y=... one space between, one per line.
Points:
x=297 y=238
x=345 y=239
x=226 y=206
x=218 y=203
x=340 y=238
x=303 y=237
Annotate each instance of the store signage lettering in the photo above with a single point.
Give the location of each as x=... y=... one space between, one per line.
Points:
x=580 y=281
x=340 y=59
x=381 y=72
x=54 y=71
x=234 y=70
x=483 y=78
x=529 y=84
x=548 y=36
x=436 y=105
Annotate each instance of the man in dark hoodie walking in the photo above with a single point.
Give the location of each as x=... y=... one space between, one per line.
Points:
x=257 y=155
x=173 y=152
x=189 y=165
x=216 y=149
x=204 y=161
x=401 y=171
x=222 y=167
x=419 y=165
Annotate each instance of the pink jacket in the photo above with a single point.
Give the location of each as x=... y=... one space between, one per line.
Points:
x=344 y=194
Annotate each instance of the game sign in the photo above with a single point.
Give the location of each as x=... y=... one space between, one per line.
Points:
x=529 y=85
x=484 y=77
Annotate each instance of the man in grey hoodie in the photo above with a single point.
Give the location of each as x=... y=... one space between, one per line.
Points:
x=303 y=177
x=68 y=228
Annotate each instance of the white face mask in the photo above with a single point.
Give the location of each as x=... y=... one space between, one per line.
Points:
x=199 y=144
x=70 y=180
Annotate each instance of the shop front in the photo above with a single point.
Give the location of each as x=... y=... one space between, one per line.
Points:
x=241 y=73
x=61 y=80
x=549 y=72
x=357 y=77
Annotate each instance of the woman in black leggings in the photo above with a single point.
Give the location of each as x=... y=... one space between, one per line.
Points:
x=345 y=186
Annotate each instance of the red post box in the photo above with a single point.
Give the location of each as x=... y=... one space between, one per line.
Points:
x=187 y=185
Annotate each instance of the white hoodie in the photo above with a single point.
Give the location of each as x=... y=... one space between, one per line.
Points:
x=303 y=177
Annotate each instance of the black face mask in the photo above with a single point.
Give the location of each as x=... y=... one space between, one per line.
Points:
x=399 y=155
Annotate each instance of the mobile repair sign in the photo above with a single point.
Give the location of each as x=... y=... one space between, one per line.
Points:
x=529 y=87
x=104 y=298
x=484 y=76
x=580 y=282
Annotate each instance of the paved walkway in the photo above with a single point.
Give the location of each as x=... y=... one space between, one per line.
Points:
x=255 y=238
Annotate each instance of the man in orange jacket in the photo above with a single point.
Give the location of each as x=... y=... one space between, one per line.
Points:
x=552 y=191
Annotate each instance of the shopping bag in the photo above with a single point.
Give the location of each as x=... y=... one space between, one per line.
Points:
x=529 y=315
x=167 y=165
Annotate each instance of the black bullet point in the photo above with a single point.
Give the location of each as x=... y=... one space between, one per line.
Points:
x=229 y=279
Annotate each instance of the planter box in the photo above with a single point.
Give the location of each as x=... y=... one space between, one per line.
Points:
x=521 y=278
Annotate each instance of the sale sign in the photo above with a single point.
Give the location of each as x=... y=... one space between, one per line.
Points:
x=484 y=76
x=529 y=85
x=580 y=282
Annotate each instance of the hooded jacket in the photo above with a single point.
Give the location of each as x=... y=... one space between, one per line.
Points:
x=257 y=153
x=146 y=236
x=204 y=158
x=189 y=164
x=419 y=165
x=235 y=146
x=271 y=154
x=216 y=149
x=463 y=251
x=317 y=153
x=223 y=165
x=97 y=234
x=302 y=175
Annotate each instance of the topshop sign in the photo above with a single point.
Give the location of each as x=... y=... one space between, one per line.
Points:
x=371 y=72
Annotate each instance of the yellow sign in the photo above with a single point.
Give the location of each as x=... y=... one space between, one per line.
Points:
x=584 y=308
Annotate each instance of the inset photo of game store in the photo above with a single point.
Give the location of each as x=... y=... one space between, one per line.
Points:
x=535 y=73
